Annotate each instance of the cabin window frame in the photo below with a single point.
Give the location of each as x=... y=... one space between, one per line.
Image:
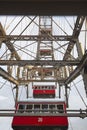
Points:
x=41 y=108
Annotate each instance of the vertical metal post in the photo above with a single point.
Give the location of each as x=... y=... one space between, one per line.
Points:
x=59 y=91
x=79 y=49
x=27 y=91
x=38 y=44
x=84 y=74
x=16 y=98
x=85 y=47
x=66 y=95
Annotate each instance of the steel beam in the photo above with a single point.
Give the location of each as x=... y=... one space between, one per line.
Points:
x=39 y=62
x=12 y=49
x=22 y=82
x=81 y=115
x=6 y=75
x=35 y=38
x=67 y=110
x=78 y=70
x=2 y=33
x=76 y=32
x=8 y=43
x=80 y=55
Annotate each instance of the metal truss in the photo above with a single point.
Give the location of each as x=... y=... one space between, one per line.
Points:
x=8 y=43
x=78 y=70
x=76 y=31
x=55 y=63
x=35 y=38
x=7 y=76
x=26 y=82
x=60 y=66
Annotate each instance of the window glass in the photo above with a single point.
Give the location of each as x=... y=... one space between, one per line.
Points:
x=60 y=108
x=21 y=108
x=29 y=108
x=44 y=108
x=52 y=108
x=36 y=108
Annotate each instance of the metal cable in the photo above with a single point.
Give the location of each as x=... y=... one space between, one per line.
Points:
x=55 y=49
x=10 y=33
x=77 y=82
x=24 y=52
x=53 y=38
x=70 y=124
x=80 y=95
x=10 y=23
x=20 y=92
x=37 y=25
x=3 y=85
x=12 y=92
x=21 y=48
x=5 y=22
x=59 y=27
x=68 y=23
x=17 y=24
x=21 y=33
x=25 y=47
x=50 y=36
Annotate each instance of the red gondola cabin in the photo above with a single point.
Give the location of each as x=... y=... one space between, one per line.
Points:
x=42 y=114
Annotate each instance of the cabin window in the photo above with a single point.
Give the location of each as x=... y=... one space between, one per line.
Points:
x=44 y=108
x=60 y=108
x=37 y=108
x=52 y=108
x=21 y=108
x=29 y=108
x=35 y=87
x=53 y=87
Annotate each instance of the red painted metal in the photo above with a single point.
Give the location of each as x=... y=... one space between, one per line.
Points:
x=40 y=121
x=44 y=91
